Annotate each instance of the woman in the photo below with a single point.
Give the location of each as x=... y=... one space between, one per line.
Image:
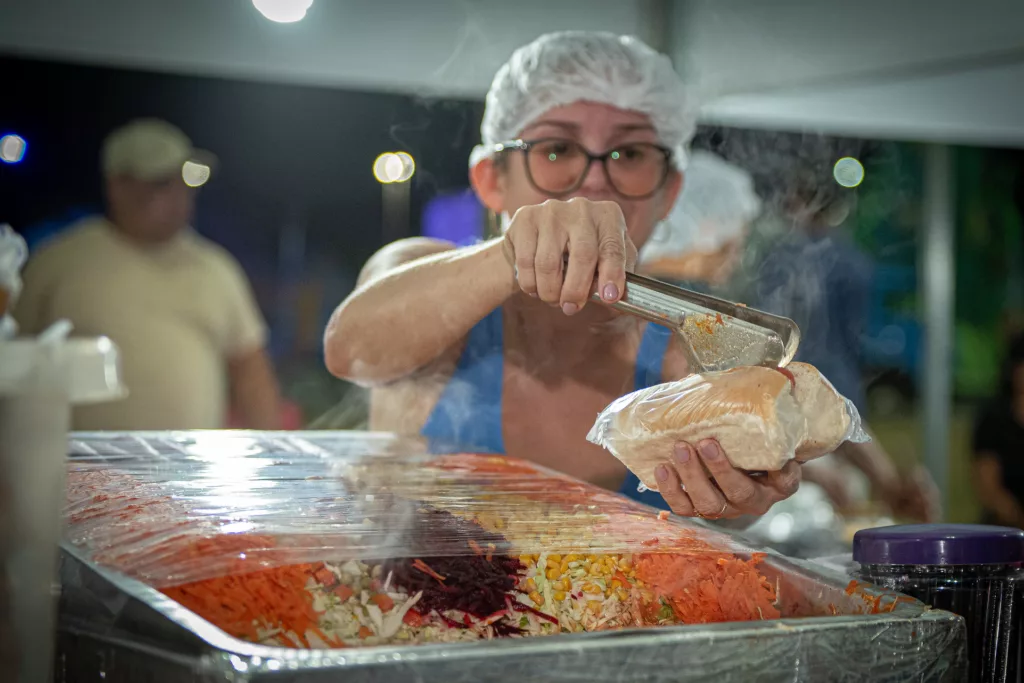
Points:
x=999 y=447
x=496 y=347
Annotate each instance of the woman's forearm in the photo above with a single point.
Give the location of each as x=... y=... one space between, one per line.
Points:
x=402 y=320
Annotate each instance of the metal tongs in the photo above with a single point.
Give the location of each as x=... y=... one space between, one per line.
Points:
x=716 y=334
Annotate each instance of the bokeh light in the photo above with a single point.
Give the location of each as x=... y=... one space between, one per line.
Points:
x=394 y=167
x=848 y=172
x=283 y=11
x=195 y=174
x=12 y=148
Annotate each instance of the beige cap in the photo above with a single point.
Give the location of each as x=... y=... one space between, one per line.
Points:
x=150 y=149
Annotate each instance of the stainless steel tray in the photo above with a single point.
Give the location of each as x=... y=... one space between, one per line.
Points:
x=114 y=628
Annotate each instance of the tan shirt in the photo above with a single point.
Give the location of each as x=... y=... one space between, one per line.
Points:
x=179 y=312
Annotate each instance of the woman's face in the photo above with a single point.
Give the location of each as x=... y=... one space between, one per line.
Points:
x=598 y=128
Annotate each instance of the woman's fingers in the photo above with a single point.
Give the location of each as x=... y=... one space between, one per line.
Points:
x=672 y=491
x=708 y=501
x=785 y=482
x=739 y=488
x=612 y=241
x=524 y=247
x=548 y=264
x=579 y=274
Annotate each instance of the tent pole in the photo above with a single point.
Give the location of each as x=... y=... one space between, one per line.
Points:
x=937 y=257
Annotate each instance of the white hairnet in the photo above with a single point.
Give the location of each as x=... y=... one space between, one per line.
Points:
x=566 y=67
x=716 y=205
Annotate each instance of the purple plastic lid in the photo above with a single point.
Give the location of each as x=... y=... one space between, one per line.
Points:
x=939 y=544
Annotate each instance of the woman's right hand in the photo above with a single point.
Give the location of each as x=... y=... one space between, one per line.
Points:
x=594 y=236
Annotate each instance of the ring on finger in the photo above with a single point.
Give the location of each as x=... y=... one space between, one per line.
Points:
x=721 y=512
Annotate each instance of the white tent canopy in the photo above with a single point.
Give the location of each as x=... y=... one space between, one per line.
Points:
x=939 y=71
x=944 y=71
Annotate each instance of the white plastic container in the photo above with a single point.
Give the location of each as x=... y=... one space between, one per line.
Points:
x=40 y=380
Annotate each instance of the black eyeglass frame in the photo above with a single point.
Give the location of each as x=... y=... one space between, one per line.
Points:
x=526 y=145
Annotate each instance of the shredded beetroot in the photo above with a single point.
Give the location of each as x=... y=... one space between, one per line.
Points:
x=474 y=584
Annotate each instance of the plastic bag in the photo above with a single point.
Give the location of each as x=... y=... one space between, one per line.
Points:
x=355 y=540
x=761 y=417
x=13 y=254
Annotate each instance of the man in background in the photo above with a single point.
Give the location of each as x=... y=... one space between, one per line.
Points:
x=191 y=337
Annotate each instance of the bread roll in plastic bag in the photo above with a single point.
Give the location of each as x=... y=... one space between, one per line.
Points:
x=762 y=418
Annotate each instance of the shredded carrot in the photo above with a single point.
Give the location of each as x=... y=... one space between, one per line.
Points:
x=344 y=592
x=650 y=542
x=851 y=587
x=365 y=632
x=273 y=598
x=422 y=566
x=706 y=586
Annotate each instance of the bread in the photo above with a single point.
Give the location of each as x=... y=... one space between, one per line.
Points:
x=829 y=418
x=762 y=417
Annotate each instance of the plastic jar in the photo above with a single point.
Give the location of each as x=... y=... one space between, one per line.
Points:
x=972 y=570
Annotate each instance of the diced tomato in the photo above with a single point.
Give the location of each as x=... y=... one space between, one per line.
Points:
x=383 y=601
x=325 y=576
x=413 y=618
x=344 y=592
x=365 y=632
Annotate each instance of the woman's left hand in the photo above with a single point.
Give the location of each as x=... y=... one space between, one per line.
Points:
x=714 y=489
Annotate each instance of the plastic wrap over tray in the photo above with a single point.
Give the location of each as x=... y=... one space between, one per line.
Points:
x=320 y=542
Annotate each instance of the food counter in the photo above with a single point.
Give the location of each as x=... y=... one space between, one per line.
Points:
x=360 y=557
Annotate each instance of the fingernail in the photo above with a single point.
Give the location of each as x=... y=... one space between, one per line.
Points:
x=533 y=295
x=610 y=292
x=661 y=472
x=682 y=453
x=709 y=450
x=569 y=308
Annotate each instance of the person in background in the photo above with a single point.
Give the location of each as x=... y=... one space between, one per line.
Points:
x=699 y=244
x=819 y=279
x=497 y=347
x=999 y=446
x=180 y=308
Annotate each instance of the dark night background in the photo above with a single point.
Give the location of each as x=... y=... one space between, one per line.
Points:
x=289 y=155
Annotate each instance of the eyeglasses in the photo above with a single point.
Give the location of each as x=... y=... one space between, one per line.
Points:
x=557 y=167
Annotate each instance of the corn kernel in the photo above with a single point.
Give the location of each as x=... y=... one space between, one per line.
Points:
x=594 y=606
x=640 y=584
x=562 y=585
x=622 y=595
x=557 y=559
x=592 y=558
x=595 y=569
x=552 y=574
x=526 y=559
x=616 y=583
x=559 y=595
x=531 y=586
x=537 y=598
x=574 y=557
x=552 y=564
x=624 y=563
x=591 y=588
x=564 y=567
